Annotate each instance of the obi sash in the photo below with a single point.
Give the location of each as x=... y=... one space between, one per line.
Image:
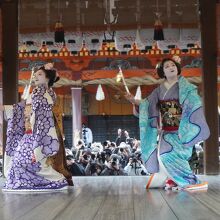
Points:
x=171 y=112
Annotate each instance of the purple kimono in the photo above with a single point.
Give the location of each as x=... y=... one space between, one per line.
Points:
x=31 y=139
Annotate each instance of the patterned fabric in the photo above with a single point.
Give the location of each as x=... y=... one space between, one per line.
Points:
x=26 y=154
x=174 y=148
x=27 y=118
x=171 y=112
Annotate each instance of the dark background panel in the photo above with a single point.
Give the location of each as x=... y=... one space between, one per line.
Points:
x=105 y=127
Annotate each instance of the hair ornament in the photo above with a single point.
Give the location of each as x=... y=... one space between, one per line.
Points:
x=158 y=65
x=48 y=66
x=176 y=59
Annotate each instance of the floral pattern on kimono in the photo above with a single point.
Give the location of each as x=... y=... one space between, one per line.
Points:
x=26 y=153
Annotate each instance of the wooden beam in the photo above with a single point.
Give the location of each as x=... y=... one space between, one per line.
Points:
x=25 y=30
x=9 y=53
x=209 y=56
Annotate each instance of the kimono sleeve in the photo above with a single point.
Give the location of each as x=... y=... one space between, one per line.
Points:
x=45 y=137
x=15 y=128
x=148 y=117
x=193 y=120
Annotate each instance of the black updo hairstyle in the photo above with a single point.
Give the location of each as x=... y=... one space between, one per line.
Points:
x=51 y=74
x=159 y=67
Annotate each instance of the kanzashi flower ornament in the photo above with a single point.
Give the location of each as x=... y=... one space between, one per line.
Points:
x=176 y=59
x=48 y=66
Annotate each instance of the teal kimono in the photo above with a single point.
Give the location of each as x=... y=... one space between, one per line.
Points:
x=174 y=147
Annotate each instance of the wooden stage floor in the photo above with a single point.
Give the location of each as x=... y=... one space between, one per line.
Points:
x=111 y=198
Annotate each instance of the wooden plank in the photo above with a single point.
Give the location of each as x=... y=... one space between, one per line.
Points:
x=22 y=204
x=26 y=204
x=209 y=202
x=86 y=205
x=211 y=199
x=113 y=198
x=150 y=204
x=185 y=206
x=49 y=208
x=118 y=203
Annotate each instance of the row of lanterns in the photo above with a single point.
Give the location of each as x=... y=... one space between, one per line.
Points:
x=121 y=40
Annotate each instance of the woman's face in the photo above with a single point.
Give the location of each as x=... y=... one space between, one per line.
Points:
x=40 y=78
x=170 y=69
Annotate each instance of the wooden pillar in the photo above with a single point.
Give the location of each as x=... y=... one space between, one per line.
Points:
x=1 y=126
x=1 y=101
x=0 y=46
x=9 y=53
x=218 y=32
x=76 y=113
x=209 y=75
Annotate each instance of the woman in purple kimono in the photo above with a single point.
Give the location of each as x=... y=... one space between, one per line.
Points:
x=171 y=122
x=34 y=154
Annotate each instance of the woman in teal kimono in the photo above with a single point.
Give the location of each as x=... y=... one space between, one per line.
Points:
x=171 y=122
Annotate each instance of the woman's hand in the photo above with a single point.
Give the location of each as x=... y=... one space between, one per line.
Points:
x=2 y=108
x=131 y=99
